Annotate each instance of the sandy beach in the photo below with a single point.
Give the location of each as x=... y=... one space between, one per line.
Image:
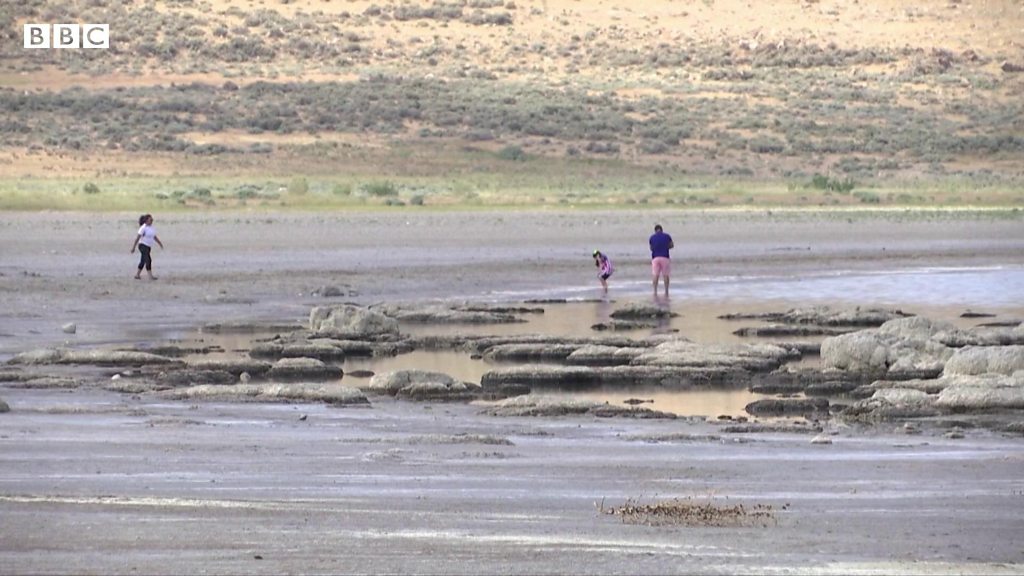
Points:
x=95 y=481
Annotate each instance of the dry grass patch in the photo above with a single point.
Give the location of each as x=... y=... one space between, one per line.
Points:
x=690 y=512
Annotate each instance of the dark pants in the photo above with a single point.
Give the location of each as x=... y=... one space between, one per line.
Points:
x=145 y=260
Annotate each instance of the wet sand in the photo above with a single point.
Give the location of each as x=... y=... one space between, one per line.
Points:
x=59 y=268
x=95 y=482
x=99 y=482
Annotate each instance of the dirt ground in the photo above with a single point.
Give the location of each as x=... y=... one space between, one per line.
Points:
x=99 y=482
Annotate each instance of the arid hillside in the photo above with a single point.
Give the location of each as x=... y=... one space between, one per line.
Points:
x=830 y=96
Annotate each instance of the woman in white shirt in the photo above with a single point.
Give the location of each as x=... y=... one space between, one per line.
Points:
x=144 y=240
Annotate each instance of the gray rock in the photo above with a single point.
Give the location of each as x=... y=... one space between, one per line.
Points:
x=999 y=336
x=928 y=386
x=38 y=356
x=317 y=349
x=330 y=292
x=47 y=382
x=91 y=357
x=248 y=327
x=576 y=377
x=439 y=391
x=775 y=330
x=641 y=311
x=787 y=380
x=348 y=321
x=905 y=348
x=303 y=369
x=15 y=375
x=617 y=325
x=503 y=391
x=529 y=352
x=4 y=407
x=235 y=366
x=330 y=393
x=986 y=360
x=893 y=403
x=981 y=393
x=787 y=406
x=192 y=377
x=752 y=357
x=392 y=383
x=597 y=355
x=439 y=314
x=356 y=347
x=821 y=439
x=113 y=358
x=539 y=406
x=825 y=316
x=69 y=328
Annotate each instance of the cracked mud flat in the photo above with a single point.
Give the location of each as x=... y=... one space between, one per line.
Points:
x=98 y=481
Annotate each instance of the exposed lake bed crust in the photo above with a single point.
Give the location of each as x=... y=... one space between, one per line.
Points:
x=402 y=420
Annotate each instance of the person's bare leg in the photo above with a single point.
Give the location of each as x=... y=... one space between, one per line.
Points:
x=604 y=284
x=666 y=287
x=656 y=285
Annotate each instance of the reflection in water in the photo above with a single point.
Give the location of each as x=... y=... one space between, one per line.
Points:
x=936 y=294
x=458 y=365
x=683 y=402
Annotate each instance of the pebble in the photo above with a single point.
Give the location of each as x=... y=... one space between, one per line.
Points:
x=821 y=439
x=69 y=328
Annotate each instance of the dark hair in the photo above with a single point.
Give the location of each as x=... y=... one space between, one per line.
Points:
x=143 y=218
x=657 y=227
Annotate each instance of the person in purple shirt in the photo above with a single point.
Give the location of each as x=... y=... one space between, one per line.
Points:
x=661 y=266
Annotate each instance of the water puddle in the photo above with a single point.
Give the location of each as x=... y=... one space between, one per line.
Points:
x=698 y=303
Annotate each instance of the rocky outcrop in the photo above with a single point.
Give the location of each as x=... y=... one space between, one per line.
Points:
x=537 y=406
x=480 y=344
x=809 y=381
x=899 y=349
x=972 y=361
x=244 y=327
x=825 y=316
x=986 y=336
x=235 y=366
x=624 y=325
x=319 y=350
x=264 y=392
x=441 y=314
x=928 y=386
x=982 y=393
x=348 y=321
x=775 y=330
x=787 y=407
x=751 y=357
x=581 y=377
x=47 y=382
x=192 y=377
x=303 y=369
x=893 y=403
x=94 y=357
x=529 y=352
x=641 y=311
x=421 y=385
x=597 y=355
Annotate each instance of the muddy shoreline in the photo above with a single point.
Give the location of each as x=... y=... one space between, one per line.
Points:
x=429 y=483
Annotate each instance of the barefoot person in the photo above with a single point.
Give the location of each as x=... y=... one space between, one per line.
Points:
x=661 y=266
x=144 y=240
x=604 y=268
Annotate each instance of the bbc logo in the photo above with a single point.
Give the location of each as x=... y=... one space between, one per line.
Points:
x=67 y=35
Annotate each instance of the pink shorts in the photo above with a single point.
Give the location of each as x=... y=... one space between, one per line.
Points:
x=661 y=266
